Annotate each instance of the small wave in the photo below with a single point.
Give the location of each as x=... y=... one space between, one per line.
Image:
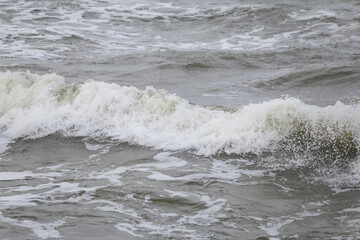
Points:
x=166 y=12
x=312 y=78
x=34 y=106
x=304 y=15
x=4 y=145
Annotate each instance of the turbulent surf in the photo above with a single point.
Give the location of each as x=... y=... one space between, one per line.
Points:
x=33 y=106
x=180 y=119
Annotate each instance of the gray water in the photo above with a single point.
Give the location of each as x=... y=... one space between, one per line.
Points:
x=256 y=135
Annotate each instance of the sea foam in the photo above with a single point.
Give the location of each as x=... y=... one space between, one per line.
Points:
x=34 y=106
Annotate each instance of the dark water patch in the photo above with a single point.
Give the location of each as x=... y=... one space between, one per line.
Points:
x=202 y=59
x=13 y=67
x=110 y=193
x=48 y=20
x=178 y=202
x=196 y=65
x=91 y=15
x=311 y=78
x=26 y=150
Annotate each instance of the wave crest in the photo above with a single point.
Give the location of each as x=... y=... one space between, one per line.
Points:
x=34 y=106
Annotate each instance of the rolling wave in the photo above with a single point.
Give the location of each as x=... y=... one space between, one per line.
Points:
x=34 y=106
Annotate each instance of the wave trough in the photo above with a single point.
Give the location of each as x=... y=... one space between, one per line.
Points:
x=34 y=106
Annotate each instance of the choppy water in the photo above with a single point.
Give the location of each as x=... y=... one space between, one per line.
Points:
x=204 y=119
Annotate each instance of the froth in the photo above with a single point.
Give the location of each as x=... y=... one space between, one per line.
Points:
x=35 y=106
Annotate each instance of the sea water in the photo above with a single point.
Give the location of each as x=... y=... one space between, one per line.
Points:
x=179 y=120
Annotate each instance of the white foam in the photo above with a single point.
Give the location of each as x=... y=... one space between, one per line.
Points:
x=313 y=14
x=93 y=147
x=35 y=106
x=110 y=206
x=163 y=162
x=112 y=27
x=18 y=200
x=177 y=193
x=272 y=228
x=11 y=176
x=206 y=217
x=7 y=176
x=112 y=176
x=221 y=171
x=38 y=187
x=26 y=35
x=129 y=228
x=97 y=147
x=62 y=188
x=166 y=230
x=318 y=204
x=46 y=191
x=218 y=170
x=306 y=213
x=283 y=188
x=357 y=209
x=41 y=230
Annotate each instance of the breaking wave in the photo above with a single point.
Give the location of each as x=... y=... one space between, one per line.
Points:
x=34 y=106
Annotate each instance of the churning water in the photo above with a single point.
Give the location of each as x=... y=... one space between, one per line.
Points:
x=179 y=120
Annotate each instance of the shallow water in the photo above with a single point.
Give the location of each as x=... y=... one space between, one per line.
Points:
x=204 y=120
x=62 y=188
